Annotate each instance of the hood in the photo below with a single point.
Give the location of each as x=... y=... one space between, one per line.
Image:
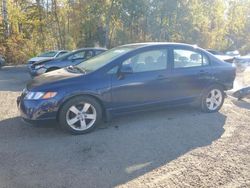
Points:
x=35 y=59
x=42 y=61
x=52 y=77
x=247 y=57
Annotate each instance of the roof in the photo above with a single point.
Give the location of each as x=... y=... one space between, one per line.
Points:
x=94 y=48
x=157 y=44
x=62 y=50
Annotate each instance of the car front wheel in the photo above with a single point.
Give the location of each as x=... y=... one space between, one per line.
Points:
x=212 y=99
x=80 y=115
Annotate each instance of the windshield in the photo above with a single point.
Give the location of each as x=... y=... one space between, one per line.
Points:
x=65 y=55
x=62 y=53
x=104 y=58
x=48 y=54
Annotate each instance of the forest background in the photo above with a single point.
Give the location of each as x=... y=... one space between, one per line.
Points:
x=29 y=27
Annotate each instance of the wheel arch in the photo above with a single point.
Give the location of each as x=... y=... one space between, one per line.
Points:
x=214 y=84
x=219 y=84
x=65 y=100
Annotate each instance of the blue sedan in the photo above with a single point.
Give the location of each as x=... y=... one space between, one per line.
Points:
x=127 y=79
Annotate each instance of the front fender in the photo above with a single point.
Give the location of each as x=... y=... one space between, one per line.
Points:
x=79 y=93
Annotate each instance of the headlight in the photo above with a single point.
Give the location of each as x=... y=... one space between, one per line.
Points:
x=39 y=66
x=40 y=95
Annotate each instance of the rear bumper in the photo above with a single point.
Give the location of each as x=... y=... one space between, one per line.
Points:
x=229 y=86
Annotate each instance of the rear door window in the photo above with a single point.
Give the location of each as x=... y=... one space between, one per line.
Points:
x=187 y=58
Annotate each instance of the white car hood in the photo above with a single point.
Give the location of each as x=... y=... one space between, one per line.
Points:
x=35 y=59
x=244 y=57
x=224 y=57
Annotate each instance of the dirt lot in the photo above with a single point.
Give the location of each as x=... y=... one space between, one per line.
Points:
x=179 y=147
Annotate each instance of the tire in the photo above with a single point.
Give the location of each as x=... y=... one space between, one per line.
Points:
x=80 y=115
x=212 y=99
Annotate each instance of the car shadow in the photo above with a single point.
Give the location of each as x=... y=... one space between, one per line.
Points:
x=116 y=153
x=13 y=78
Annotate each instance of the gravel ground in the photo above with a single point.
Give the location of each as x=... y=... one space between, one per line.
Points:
x=223 y=163
x=178 y=147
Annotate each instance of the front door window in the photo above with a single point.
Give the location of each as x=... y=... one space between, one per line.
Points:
x=154 y=60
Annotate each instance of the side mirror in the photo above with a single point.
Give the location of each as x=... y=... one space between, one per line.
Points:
x=124 y=70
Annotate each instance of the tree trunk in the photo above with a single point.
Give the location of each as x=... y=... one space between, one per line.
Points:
x=5 y=18
x=41 y=30
x=54 y=5
x=108 y=19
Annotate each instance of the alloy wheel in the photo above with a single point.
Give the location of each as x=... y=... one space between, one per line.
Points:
x=214 y=99
x=81 y=117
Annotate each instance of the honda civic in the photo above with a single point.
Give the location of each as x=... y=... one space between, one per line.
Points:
x=124 y=80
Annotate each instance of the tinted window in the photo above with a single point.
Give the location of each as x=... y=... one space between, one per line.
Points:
x=148 y=61
x=188 y=58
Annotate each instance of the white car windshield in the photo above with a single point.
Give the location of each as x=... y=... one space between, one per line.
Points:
x=48 y=54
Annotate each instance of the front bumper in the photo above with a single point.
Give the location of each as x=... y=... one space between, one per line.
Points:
x=37 y=110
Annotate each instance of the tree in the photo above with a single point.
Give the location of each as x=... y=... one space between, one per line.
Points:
x=5 y=18
x=40 y=25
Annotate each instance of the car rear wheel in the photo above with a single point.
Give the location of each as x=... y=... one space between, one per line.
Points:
x=80 y=115
x=212 y=99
